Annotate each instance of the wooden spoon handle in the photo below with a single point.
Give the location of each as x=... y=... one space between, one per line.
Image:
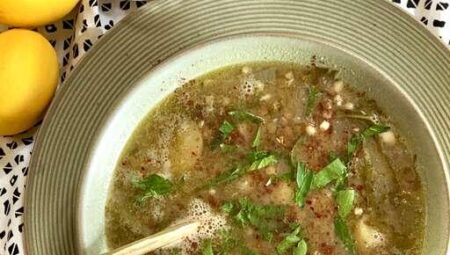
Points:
x=167 y=237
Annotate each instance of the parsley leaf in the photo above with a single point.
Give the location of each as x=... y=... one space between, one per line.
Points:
x=153 y=186
x=304 y=179
x=357 y=139
x=345 y=200
x=264 y=218
x=289 y=241
x=313 y=94
x=353 y=144
x=228 y=207
x=227 y=176
x=301 y=248
x=226 y=128
x=344 y=234
x=207 y=248
x=257 y=141
x=246 y=116
x=230 y=245
x=295 y=241
x=258 y=160
x=334 y=171
x=261 y=160
x=374 y=130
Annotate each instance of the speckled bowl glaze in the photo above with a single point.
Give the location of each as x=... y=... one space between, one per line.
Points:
x=376 y=47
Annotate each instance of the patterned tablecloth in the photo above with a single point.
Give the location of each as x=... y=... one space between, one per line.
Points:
x=72 y=38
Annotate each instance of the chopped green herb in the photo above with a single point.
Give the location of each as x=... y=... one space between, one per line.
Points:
x=207 y=248
x=301 y=248
x=246 y=116
x=334 y=171
x=354 y=144
x=228 y=207
x=226 y=128
x=343 y=233
x=258 y=160
x=257 y=141
x=357 y=139
x=153 y=186
x=257 y=155
x=313 y=94
x=228 y=244
x=345 y=200
x=265 y=161
x=374 y=130
x=227 y=176
x=289 y=241
x=304 y=179
x=264 y=218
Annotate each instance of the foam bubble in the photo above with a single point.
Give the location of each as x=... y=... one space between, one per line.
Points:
x=209 y=225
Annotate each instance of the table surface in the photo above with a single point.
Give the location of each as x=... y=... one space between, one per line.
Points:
x=72 y=37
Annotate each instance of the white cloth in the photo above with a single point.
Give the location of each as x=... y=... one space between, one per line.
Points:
x=75 y=35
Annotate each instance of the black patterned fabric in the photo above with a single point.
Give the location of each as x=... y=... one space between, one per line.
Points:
x=74 y=36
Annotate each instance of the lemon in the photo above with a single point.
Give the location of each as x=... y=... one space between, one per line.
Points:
x=29 y=74
x=30 y=13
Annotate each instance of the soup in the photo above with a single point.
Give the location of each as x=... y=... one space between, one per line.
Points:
x=270 y=158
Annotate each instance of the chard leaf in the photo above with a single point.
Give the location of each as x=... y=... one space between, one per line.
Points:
x=334 y=171
x=246 y=116
x=345 y=200
x=304 y=179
